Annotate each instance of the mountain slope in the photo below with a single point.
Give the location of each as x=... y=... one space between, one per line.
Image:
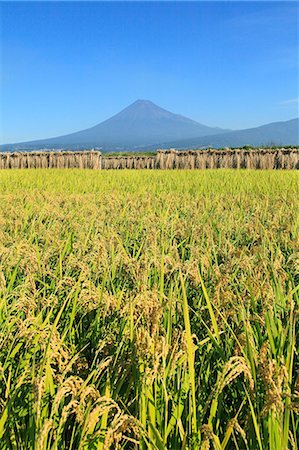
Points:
x=276 y=133
x=140 y=124
x=145 y=126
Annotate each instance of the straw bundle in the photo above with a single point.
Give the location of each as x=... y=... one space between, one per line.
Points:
x=128 y=162
x=228 y=158
x=165 y=159
x=45 y=160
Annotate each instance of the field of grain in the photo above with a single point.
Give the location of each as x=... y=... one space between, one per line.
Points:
x=149 y=310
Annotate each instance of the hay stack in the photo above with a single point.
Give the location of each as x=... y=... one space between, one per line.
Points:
x=228 y=158
x=159 y=159
x=45 y=160
x=128 y=162
x=165 y=159
x=293 y=160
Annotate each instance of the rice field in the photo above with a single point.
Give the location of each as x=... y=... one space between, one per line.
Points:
x=149 y=309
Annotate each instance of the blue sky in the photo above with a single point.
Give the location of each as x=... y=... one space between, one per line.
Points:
x=66 y=66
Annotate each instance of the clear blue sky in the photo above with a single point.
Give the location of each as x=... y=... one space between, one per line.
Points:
x=66 y=66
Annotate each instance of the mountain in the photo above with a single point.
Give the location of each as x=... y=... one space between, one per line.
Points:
x=276 y=133
x=140 y=124
x=145 y=126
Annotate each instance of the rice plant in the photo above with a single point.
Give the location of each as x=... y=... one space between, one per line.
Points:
x=149 y=309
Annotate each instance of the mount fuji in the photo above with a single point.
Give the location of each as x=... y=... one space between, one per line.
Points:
x=141 y=124
x=144 y=126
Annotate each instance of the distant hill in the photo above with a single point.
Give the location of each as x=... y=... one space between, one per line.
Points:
x=276 y=133
x=145 y=126
x=140 y=124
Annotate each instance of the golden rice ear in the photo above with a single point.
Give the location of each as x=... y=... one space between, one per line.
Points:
x=235 y=366
x=120 y=426
x=44 y=433
x=109 y=333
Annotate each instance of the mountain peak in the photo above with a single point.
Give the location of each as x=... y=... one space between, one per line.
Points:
x=142 y=101
x=142 y=109
x=139 y=124
x=143 y=104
